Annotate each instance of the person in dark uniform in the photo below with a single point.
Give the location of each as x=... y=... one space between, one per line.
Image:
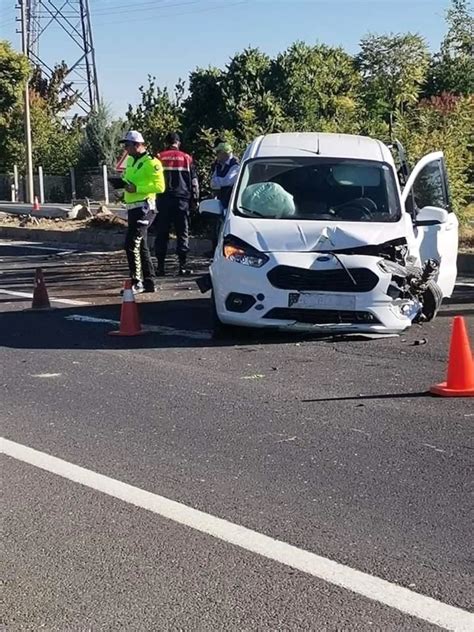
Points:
x=174 y=205
x=224 y=174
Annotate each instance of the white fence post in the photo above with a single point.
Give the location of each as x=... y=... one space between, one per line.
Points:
x=106 y=184
x=41 y=184
x=16 y=183
x=73 y=183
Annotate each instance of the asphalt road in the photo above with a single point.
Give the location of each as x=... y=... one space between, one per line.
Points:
x=331 y=446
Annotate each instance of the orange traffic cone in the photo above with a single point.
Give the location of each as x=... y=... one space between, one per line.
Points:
x=36 y=206
x=40 y=293
x=129 y=320
x=460 y=381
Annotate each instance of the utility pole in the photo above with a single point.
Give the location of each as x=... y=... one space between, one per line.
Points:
x=29 y=155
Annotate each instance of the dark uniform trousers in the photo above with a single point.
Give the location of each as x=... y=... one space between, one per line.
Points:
x=172 y=211
x=136 y=245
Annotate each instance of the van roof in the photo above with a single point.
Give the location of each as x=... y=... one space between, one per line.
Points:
x=325 y=145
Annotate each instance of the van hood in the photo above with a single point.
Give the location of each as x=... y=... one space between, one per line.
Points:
x=269 y=235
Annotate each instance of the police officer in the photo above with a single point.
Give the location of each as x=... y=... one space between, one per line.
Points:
x=174 y=205
x=143 y=179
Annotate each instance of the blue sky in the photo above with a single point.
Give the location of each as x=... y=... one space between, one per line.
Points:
x=169 y=38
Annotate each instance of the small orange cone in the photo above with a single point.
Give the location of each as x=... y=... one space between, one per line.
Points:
x=40 y=293
x=129 y=320
x=460 y=381
x=36 y=206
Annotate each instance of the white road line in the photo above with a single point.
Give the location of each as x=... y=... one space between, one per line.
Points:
x=66 y=301
x=158 y=329
x=32 y=245
x=380 y=590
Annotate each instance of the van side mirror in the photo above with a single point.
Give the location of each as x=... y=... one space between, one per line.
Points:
x=211 y=207
x=431 y=215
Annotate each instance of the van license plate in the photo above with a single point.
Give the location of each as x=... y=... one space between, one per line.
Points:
x=312 y=300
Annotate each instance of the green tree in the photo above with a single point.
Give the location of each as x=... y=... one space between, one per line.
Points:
x=157 y=114
x=393 y=69
x=14 y=71
x=56 y=147
x=57 y=93
x=316 y=87
x=204 y=107
x=452 y=69
x=444 y=123
x=251 y=108
x=101 y=138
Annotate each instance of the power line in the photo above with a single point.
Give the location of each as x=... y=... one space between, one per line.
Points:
x=174 y=15
x=144 y=7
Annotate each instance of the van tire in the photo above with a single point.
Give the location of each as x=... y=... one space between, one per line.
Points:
x=432 y=299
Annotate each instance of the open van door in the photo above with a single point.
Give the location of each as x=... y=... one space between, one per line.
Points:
x=427 y=199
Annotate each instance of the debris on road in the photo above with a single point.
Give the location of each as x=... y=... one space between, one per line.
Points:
x=417 y=343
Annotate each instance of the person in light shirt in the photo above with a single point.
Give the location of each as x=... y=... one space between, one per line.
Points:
x=224 y=174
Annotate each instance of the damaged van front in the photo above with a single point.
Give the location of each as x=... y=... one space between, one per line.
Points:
x=318 y=236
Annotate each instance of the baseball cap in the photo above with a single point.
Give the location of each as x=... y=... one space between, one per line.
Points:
x=227 y=147
x=133 y=137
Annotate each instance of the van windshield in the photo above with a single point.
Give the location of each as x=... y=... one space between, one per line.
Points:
x=319 y=189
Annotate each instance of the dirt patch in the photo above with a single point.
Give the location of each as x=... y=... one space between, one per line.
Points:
x=103 y=222
x=466 y=238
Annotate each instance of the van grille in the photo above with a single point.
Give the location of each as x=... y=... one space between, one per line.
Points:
x=290 y=278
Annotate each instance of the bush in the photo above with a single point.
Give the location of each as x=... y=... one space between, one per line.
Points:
x=444 y=123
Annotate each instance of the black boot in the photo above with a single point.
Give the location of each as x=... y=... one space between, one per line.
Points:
x=184 y=270
x=160 y=268
x=149 y=286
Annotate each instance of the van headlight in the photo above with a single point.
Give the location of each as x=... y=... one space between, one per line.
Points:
x=239 y=251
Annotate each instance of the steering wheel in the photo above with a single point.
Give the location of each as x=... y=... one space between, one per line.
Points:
x=360 y=208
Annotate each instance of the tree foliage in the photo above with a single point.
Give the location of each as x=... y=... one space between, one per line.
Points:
x=393 y=70
x=57 y=93
x=316 y=87
x=443 y=122
x=100 y=140
x=14 y=71
x=452 y=68
x=392 y=88
x=157 y=113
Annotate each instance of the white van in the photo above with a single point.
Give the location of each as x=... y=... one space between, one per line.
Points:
x=319 y=236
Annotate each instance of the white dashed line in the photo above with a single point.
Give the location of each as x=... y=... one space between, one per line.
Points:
x=375 y=588
x=157 y=329
x=65 y=301
x=32 y=245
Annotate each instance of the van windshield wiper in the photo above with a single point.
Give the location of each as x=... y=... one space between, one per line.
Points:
x=249 y=210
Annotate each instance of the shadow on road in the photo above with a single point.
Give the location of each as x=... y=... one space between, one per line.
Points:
x=177 y=323
x=364 y=397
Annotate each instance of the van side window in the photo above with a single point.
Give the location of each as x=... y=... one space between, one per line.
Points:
x=430 y=188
